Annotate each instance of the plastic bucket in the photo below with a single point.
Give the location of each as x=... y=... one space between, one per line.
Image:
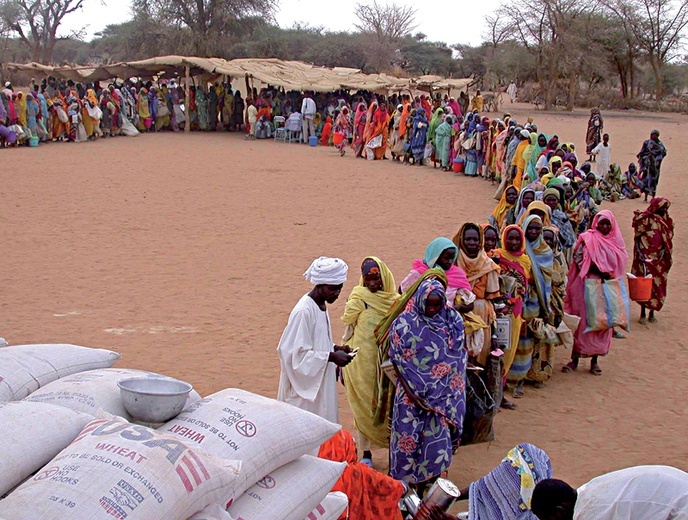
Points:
x=33 y=141
x=640 y=289
x=337 y=138
x=457 y=165
x=313 y=141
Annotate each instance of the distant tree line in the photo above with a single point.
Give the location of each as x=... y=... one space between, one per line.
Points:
x=566 y=49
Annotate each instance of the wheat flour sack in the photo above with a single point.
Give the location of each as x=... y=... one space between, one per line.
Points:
x=261 y=432
x=115 y=469
x=26 y=368
x=213 y=512
x=30 y=435
x=331 y=508
x=289 y=492
x=96 y=389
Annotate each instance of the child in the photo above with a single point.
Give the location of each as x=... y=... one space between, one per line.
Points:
x=74 y=121
x=604 y=157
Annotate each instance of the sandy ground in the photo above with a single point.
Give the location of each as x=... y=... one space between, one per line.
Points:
x=186 y=254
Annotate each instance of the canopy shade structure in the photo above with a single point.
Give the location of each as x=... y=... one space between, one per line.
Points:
x=290 y=75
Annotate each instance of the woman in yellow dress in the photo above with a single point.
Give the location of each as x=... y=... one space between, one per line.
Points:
x=367 y=305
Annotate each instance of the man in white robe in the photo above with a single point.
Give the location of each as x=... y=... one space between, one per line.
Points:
x=308 y=356
x=637 y=493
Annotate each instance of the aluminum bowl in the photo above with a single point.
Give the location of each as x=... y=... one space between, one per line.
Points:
x=153 y=400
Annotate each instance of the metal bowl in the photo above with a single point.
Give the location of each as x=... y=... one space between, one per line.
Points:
x=153 y=400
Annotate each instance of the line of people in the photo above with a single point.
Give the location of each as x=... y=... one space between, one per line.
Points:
x=417 y=357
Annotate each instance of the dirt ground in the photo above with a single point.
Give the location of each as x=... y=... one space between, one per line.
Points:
x=185 y=253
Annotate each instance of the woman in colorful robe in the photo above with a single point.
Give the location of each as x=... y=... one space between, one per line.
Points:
x=652 y=254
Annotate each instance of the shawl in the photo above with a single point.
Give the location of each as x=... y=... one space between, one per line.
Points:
x=542 y=260
x=434 y=123
x=500 y=211
x=455 y=107
x=608 y=253
x=371 y=494
x=537 y=205
x=420 y=130
x=370 y=123
x=478 y=266
x=519 y=262
x=519 y=209
x=487 y=226
x=534 y=155
x=506 y=491
x=455 y=276
x=382 y=406
x=405 y=112
x=651 y=220
x=442 y=333
x=381 y=300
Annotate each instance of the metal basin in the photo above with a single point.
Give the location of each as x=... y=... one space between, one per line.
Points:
x=153 y=400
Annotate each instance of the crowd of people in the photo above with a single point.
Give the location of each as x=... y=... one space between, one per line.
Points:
x=417 y=356
x=448 y=132
x=426 y=360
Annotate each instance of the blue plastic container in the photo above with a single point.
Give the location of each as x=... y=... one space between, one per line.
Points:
x=33 y=141
x=313 y=140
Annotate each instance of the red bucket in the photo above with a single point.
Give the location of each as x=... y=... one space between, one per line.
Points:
x=457 y=165
x=337 y=138
x=640 y=289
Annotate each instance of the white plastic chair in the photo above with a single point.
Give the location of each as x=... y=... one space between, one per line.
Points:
x=294 y=128
x=281 y=133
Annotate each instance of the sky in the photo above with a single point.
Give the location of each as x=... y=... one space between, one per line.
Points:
x=467 y=23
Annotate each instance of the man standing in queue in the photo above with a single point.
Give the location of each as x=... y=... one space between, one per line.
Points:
x=308 y=356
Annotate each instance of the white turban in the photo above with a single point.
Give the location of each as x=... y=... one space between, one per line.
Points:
x=327 y=271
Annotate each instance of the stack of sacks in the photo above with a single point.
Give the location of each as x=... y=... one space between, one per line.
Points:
x=26 y=368
x=273 y=440
x=234 y=450
x=90 y=391
x=115 y=469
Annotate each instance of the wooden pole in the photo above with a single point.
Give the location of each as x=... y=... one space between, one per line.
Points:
x=187 y=100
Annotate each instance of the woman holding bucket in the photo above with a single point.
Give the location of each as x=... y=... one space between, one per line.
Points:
x=600 y=253
x=654 y=234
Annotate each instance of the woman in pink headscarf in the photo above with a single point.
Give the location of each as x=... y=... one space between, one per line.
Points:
x=600 y=253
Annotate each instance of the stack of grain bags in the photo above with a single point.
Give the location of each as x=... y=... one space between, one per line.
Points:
x=68 y=450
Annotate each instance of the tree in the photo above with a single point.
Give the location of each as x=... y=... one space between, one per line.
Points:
x=657 y=26
x=208 y=20
x=36 y=23
x=388 y=22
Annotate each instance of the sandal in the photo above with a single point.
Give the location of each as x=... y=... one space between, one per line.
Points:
x=507 y=405
x=518 y=393
x=569 y=367
x=595 y=369
x=617 y=335
x=642 y=321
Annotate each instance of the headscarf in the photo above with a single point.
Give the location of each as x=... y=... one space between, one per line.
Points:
x=537 y=205
x=552 y=191
x=487 y=226
x=533 y=153
x=519 y=210
x=542 y=260
x=500 y=211
x=517 y=261
x=455 y=275
x=382 y=404
x=327 y=271
x=478 y=266
x=381 y=300
x=371 y=494
x=506 y=491
x=608 y=253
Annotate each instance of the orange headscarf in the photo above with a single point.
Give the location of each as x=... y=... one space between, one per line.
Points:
x=371 y=494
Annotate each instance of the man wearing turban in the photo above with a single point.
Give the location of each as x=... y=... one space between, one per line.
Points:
x=308 y=355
